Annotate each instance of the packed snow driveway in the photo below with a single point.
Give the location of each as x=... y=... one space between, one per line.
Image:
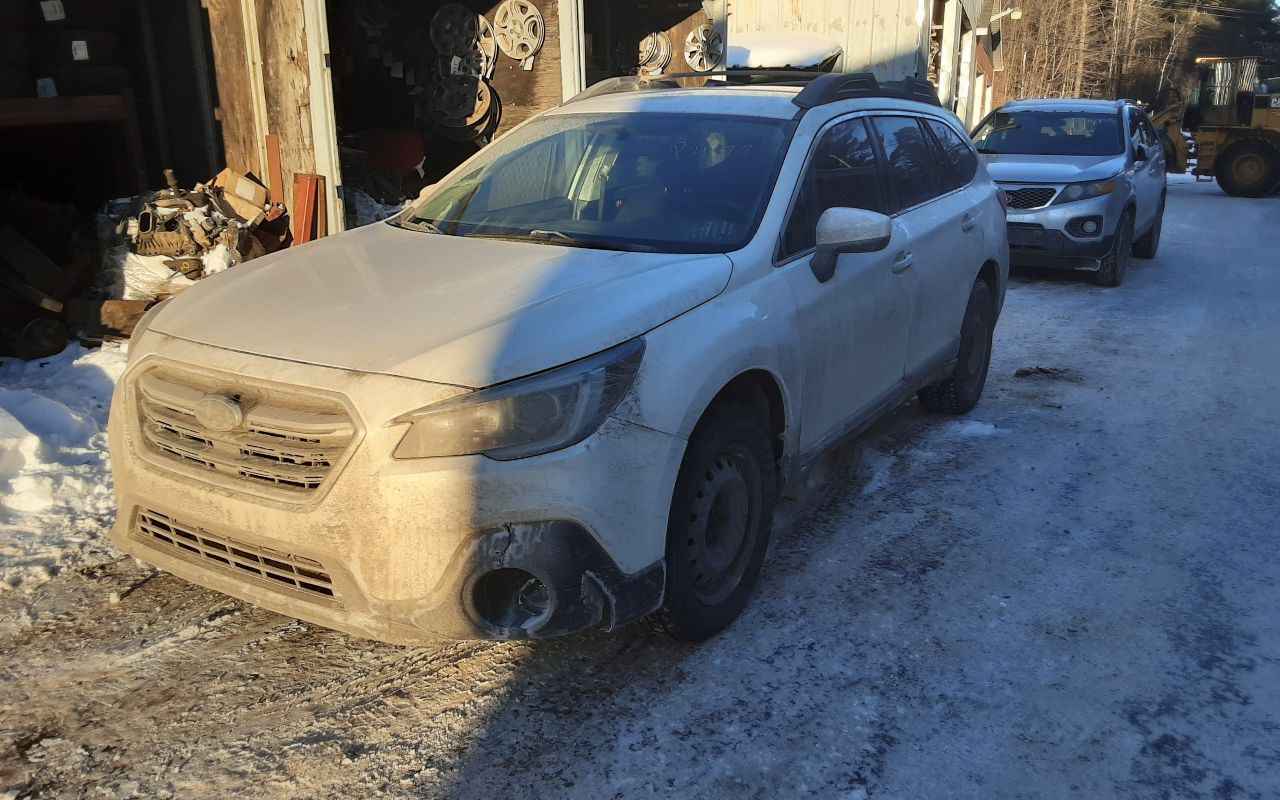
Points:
x=1069 y=593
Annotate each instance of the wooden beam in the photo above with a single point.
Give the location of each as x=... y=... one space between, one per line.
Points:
x=275 y=174
x=286 y=85
x=235 y=91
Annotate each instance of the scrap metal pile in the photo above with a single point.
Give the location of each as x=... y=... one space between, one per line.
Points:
x=64 y=275
x=177 y=237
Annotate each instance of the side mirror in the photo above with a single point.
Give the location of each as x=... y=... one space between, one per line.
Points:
x=847 y=230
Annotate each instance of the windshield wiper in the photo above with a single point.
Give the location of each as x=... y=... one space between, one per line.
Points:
x=564 y=239
x=418 y=224
x=557 y=235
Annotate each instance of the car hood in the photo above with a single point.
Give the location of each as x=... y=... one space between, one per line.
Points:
x=463 y=311
x=1052 y=169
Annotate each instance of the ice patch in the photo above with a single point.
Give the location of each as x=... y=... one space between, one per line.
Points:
x=878 y=465
x=971 y=429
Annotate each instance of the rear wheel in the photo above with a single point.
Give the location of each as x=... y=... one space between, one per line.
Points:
x=1147 y=246
x=1116 y=263
x=720 y=521
x=959 y=393
x=1248 y=169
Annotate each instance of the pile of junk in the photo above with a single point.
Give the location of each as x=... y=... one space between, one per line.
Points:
x=66 y=275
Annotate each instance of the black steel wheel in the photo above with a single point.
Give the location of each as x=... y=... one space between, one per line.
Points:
x=718 y=531
x=959 y=393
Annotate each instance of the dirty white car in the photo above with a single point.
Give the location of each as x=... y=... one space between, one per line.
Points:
x=566 y=387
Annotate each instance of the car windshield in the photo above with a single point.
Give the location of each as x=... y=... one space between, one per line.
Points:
x=1051 y=133
x=682 y=183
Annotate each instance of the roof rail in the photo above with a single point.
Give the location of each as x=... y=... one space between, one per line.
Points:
x=831 y=87
x=819 y=89
x=753 y=77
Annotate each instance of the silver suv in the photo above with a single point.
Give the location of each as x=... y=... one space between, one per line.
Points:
x=1085 y=181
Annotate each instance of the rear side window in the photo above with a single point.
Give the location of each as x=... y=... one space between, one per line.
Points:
x=909 y=159
x=959 y=162
x=844 y=173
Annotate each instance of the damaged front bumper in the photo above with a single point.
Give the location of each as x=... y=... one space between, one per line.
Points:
x=402 y=551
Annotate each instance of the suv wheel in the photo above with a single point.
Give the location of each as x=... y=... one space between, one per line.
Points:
x=1147 y=246
x=959 y=393
x=720 y=520
x=1116 y=263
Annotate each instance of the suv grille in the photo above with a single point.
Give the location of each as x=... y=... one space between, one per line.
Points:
x=276 y=439
x=1031 y=196
x=279 y=570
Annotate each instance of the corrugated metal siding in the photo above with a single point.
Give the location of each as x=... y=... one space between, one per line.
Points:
x=883 y=36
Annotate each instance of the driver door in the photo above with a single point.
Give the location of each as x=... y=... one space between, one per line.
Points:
x=853 y=328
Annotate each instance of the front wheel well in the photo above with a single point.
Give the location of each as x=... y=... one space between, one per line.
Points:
x=751 y=386
x=990 y=275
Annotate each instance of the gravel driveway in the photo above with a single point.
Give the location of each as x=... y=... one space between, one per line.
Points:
x=1072 y=592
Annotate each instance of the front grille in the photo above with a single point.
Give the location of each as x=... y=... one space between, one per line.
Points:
x=286 y=441
x=1030 y=196
x=279 y=570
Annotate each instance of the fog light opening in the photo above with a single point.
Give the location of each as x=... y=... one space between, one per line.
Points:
x=510 y=598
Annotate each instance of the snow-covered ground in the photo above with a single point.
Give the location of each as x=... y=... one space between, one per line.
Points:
x=1070 y=592
x=55 y=481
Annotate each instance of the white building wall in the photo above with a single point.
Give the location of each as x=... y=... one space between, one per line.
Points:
x=887 y=37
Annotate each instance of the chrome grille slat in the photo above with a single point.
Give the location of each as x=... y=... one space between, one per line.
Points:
x=282 y=447
x=268 y=566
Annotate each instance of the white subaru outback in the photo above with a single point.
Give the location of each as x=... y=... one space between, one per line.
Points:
x=565 y=388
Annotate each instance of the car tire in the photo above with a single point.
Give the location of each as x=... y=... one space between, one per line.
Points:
x=1116 y=263
x=721 y=516
x=959 y=392
x=1147 y=246
x=1248 y=169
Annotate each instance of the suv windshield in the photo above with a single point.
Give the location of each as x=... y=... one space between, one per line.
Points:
x=685 y=183
x=1051 y=133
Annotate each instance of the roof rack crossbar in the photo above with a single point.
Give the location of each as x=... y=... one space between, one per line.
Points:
x=751 y=77
x=830 y=88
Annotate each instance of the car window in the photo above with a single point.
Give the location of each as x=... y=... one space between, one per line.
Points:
x=844 y=173
x=909 y=160
x=679 y=183
x=1046 y=132
x=960 y=163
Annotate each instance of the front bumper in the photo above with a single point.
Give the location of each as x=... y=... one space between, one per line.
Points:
x=400 y=544
x=1042 y=237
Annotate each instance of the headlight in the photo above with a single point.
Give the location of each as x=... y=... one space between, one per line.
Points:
x=528 y=416
x=1083 y=191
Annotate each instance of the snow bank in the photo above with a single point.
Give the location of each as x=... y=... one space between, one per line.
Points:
x=56 y=502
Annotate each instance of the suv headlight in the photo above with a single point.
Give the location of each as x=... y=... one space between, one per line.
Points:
x=1084 y=191
x=528 y=416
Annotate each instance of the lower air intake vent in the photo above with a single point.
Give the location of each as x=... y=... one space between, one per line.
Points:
x=294 y=574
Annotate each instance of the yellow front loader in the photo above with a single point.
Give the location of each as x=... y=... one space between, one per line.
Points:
x=1235 y=119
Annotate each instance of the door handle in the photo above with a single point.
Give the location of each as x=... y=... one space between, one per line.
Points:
x=902 y=261
x=967 y=223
